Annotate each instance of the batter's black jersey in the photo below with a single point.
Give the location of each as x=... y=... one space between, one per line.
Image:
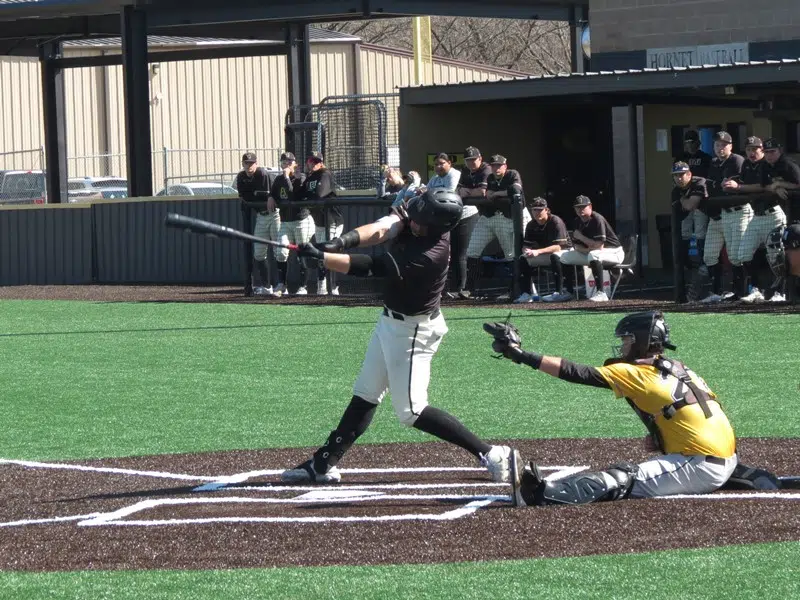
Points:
x=597 y=229
x=416 y=272
x=698 y=163
x=318 y=185
x=696 y=187
x=554 y=231
x=247 y=186
x=286 y=191
x=511 y=179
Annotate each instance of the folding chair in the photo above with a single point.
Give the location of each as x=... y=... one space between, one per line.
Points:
x=627 y=265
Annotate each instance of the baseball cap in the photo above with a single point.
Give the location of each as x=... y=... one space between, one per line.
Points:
x=472 y=152
x=753 y=142
x=249 y=157
x=287 y=156
x=723 y=136
x=315 y=157
x=498 y=159
x=680 y=167
x=582 y=201
x=539 y=203
x=791 y=236
x=691 y=136
x=772 y=144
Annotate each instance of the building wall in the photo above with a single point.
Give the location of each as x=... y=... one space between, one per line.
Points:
x=625 y=25
x=21 y=123
x=431 y=129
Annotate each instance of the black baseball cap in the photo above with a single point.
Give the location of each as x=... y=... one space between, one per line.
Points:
x=498 y=159
x=772 y=144
x=680 y=167
x=539 y=203
x=582 y=201
x=723 y=136
x=691 y=136
x=288 y=156
x=754 y=142
x=249 y=157
x=472 y=152
x=791 y=236
x=315 y=157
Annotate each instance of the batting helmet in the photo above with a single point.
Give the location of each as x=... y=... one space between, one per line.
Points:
x=438 y=209
x=650 y=334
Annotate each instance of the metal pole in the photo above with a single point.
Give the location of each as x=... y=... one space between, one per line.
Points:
x=55 y=130
x=166 y=167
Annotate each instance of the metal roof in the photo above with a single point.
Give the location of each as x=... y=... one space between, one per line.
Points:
x=318 y=35
x=609 y=82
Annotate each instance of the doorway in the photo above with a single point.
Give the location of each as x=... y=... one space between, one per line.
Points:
x=578 y=160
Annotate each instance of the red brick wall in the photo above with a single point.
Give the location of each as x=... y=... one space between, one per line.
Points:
x=621 y=25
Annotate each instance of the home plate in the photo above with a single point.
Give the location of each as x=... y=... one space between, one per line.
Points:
x=329 y=494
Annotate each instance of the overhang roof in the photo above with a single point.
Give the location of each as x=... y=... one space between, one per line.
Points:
x=617 y=87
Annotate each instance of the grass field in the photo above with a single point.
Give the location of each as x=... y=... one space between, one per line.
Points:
x=90 y=380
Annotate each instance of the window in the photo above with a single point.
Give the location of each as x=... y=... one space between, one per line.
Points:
x=707 y=137
x=738 y=132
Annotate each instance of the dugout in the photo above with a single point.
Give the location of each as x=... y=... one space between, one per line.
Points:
x=611 y=135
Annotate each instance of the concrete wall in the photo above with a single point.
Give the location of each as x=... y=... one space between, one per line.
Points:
x=623 y=25
x=513 y=129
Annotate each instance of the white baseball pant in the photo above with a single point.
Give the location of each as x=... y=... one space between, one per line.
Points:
x=715 y=239
x=604 y=255
x=496 y=226
x=294 y=232
x=325 y=234
x=734 y=224
x=757 y=231
x=694 y=224
x=398 y=359
x=267 y=227
x=679 y=474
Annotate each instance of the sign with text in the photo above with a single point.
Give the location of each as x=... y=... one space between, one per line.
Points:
x=695 y=56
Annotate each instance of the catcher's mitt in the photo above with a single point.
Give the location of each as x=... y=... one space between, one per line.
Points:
x=504 y=334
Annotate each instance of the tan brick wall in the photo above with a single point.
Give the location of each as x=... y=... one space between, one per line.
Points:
x=621 y=25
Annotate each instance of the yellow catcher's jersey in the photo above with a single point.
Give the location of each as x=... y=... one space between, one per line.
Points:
x=688 y=431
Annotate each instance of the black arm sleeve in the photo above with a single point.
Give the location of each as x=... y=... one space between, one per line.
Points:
x=584 y=374
x=361 y=265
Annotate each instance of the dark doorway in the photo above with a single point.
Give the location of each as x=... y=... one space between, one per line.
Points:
x=579 y=159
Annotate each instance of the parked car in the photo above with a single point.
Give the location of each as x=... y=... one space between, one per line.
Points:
x=81 y=189
x=22 y=187
x=198 y=188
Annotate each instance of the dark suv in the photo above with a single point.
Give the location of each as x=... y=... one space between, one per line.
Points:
x=22 y=187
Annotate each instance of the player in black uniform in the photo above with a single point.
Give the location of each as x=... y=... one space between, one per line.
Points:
x=783 y=174
x=690 y=193
x=297 y=226
x=250 y=180
x=409 y=331
x=698 y=161
x=328 y=221
x=545 y=240
x=472 y=185
x=725 y=225
x=595 y=244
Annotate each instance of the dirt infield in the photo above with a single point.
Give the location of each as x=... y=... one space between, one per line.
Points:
x=397 y=503
x=646 y=300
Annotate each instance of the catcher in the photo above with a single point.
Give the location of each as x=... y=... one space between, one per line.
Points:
x=683 y=416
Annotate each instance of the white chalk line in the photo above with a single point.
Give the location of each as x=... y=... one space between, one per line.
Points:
x=70 y=467
x=49 y=520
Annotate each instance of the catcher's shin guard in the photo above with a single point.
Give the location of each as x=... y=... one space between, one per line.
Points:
x=582 y=488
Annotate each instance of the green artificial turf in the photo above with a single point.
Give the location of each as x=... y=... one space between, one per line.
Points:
x=740 y=572
x=82 y=379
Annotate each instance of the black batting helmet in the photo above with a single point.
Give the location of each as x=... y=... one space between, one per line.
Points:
x=438 y=209
x=650 y=333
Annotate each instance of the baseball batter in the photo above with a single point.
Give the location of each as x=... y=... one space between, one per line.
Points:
x=409 y=331
x=682 y=415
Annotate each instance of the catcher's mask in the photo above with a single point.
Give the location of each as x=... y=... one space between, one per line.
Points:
x=642 y=334
x=437 y=209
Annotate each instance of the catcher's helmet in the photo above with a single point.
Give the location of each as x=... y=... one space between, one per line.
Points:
x=650 y=334
x=776 y=253
x=438 y=209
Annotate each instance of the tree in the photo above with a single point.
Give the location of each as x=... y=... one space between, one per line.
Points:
x=530 y=46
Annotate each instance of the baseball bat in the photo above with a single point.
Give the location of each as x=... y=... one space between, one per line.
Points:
x=213 y=229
